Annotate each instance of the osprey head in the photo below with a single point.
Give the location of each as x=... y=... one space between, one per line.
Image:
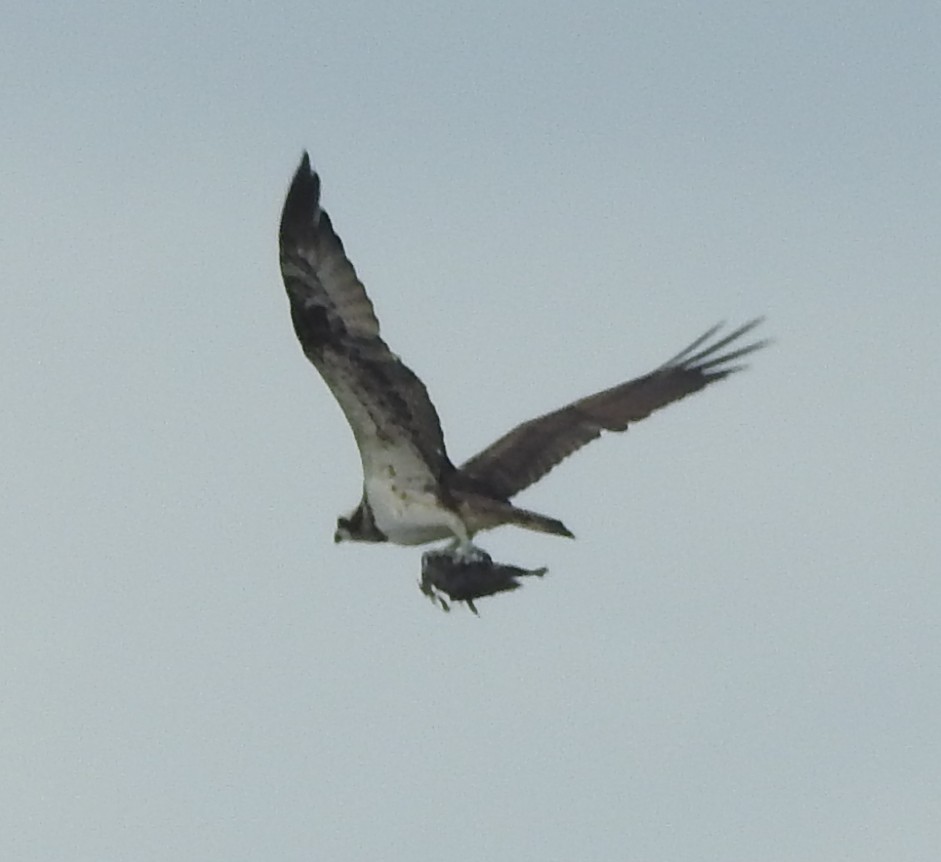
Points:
x=358 y=526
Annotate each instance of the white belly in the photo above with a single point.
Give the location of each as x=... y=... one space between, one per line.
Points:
x=408 y=516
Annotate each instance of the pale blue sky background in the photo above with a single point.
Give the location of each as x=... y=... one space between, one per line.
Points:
x=737 y=660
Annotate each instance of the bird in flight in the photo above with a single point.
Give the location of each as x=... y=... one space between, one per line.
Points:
x=412 y=492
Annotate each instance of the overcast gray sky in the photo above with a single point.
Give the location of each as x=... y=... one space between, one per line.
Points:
x=738 y=658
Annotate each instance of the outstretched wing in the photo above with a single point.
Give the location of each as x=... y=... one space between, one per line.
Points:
x=385 y=403
x=314 y=266
x=529 y=451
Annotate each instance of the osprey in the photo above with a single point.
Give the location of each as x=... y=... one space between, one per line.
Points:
x=412 y=492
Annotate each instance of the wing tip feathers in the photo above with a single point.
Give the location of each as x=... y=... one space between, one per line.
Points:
x=303 y=200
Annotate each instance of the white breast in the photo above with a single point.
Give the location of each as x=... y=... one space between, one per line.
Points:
x=410 y=516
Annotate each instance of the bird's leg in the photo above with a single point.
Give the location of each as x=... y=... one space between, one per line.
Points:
x=461 y=545
x=468 y=552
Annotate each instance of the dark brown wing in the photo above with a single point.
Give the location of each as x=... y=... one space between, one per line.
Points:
x=385 y=403
x=314 y=266
x=532 y=449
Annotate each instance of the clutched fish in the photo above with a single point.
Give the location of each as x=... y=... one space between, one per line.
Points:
x=465 y=574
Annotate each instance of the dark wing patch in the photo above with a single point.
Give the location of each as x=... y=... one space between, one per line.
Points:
x=393 y=390
x=383 y=400
x=318 y=275
x=525 y=454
